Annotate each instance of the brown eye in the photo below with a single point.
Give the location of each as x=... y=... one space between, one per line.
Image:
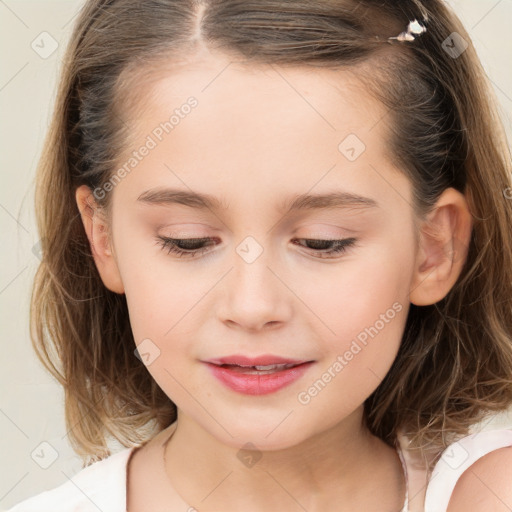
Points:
x=328 y=247
x=184 y=246
x=190 y=247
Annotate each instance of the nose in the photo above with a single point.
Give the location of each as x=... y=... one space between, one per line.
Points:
x=254 y=295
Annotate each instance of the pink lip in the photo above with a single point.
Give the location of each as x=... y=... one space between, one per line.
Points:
x=254 y=384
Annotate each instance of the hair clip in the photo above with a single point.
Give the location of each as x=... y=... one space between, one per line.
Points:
x=414 y=29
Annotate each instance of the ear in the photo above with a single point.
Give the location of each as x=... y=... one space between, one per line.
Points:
x=96 y=228
x=444 y=240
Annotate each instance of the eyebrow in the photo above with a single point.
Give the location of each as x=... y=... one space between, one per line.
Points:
x=335 y=199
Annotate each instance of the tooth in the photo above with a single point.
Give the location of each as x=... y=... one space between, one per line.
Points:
x=268 y=367
x=261 y=368
x=273 y=366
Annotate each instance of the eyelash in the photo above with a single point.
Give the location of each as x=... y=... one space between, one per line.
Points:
x=171 y=245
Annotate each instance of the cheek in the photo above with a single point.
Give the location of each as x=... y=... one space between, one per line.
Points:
x=360 y=312
x=350 y=296
x=160 y=299
x=163 y=304
x=159 y=293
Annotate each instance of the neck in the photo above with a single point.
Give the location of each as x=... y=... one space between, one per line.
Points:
x=331 y=465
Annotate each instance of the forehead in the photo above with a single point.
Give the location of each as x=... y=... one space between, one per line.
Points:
x=259 y=91
x=258 y=129
x=229 y=90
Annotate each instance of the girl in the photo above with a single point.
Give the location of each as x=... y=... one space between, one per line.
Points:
x=277 y=260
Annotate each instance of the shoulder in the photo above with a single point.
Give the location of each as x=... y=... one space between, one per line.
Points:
x=474 y=473
x=486 y=485
x=100 y=486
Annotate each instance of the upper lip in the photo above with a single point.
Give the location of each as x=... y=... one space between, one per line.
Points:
x=263 y=360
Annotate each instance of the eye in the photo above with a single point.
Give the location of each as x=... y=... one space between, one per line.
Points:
x=190 y=247
x=329 y=247
x=183 y=246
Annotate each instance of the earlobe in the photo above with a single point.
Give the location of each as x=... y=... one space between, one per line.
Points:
x=443 y=247
x=97 y=231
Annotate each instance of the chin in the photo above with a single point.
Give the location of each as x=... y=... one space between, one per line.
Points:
x=267 y=432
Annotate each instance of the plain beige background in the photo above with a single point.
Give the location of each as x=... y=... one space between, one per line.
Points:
x=31 y=406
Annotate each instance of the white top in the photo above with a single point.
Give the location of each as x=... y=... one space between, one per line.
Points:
x=99 y=487
x=102 y=485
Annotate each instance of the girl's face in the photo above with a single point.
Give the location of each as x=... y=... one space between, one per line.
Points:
x=256 y=141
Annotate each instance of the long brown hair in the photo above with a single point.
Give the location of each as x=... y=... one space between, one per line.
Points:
x=454 y=365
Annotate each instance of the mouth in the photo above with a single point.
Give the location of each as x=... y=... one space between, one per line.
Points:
x=258 y=369
x=263 y=360
x=257 y=376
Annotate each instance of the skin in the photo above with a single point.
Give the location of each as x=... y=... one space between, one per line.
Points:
x=258 y=136
x=485 y=485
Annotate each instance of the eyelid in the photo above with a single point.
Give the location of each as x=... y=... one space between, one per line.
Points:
x=341 y=246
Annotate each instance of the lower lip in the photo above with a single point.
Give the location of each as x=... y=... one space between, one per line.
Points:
x=251 y=384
